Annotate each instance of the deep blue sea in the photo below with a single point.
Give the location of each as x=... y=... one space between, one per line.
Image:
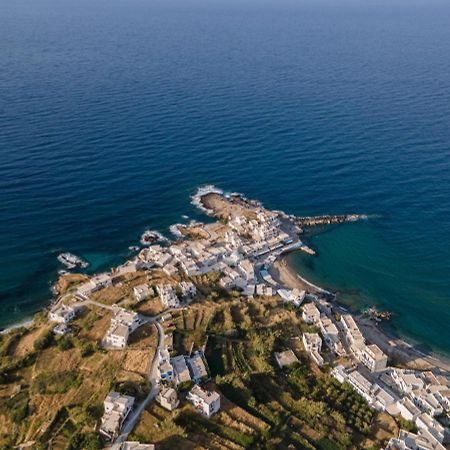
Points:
x=113 y=112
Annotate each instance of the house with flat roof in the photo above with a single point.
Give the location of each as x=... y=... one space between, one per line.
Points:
x=410 y=441
x=63 y=313
x=427 y=423
x=407 y=409
x=168 y=296
x=197 y=368
x=143 y=292
x=310 y=313
x=205 y=402
x=373 y=358
x=286 y=358
x=123 y=323
x=130 y=319
x=180 y=369
x=353 y=334
x=407 y=380
x=117 y=335
x=329 y=331
x=361 y=385
x=168 y=398
x=313 y=345
x=116 y=409
x=245 y=268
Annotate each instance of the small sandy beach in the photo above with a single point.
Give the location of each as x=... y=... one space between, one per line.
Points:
x=402 y=352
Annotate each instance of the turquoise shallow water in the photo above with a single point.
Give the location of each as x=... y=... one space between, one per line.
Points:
x=113 y=112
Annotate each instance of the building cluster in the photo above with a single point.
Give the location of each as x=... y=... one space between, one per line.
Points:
x=181 y=369
x=229 y=250
x=175 y=371
x=169 y=296
x=123 y=323
x=63 y=314
x=116 y=409
x=370 y=355
x=412 y=441
x=319 y=314
x=419 y=397
x=377 y=395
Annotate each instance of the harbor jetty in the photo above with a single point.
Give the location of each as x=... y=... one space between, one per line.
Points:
x=328 y=219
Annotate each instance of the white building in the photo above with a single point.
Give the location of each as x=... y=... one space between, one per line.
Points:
x=117 y=407
x=188 y=289
x=340 y=373
x=122 y=325
x=313 y=345
x=432 y=426
x=130 y=319
x=197 y=368
x=168 y=296
x=168 y=398
x=263 y=290
x=61 y=329
x=143 y=292
x=407 y=409
x=310 y=313
x=411 y=441
x=117 y=336
x=329 y=331
x=180 y=368
x=205 y=402
x=294 y=296
x=63 y=314
x=165 y=368
x=373 y=357
x=352 y=333
x=407 y=380
x=427 y=402
x=361 y=385
x=245 y=267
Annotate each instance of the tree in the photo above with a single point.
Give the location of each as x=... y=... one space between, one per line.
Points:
x=44 y=341
x=65 y=343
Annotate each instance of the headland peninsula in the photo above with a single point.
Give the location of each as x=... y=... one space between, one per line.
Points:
x=211 y=341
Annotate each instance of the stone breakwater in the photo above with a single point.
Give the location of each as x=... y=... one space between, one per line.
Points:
x=328 y=220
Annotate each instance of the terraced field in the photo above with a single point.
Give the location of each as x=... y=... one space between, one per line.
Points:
x=262 y=407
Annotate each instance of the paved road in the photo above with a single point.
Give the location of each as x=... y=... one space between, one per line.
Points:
x=152 y=376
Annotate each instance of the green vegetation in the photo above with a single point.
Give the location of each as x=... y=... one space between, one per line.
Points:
x=44 y=341
x=137 y=389
x=85 y=441
x=56 y=382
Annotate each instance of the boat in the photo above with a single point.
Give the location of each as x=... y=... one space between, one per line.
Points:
x=72 y=261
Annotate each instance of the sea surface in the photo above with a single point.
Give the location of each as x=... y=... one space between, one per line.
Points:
x=113 y=112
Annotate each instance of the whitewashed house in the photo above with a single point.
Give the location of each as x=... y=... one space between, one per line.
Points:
x=143 y=292
x=310 y=313
x=117 y=407
x=168 y=398
x=373 y=357
x=63 y=313
x=205 y=402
